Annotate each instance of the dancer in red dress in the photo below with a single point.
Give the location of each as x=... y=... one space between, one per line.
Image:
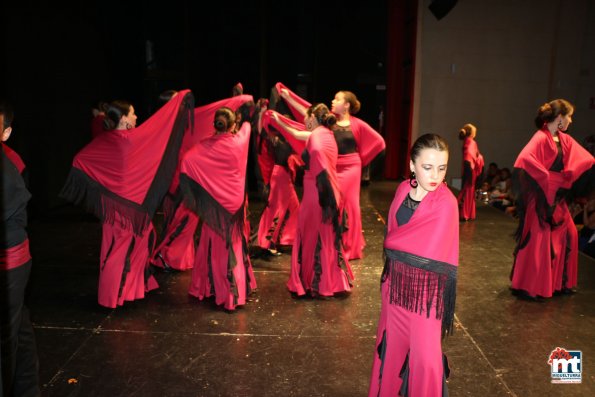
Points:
x=278 y=222
x=472 y=168
x=318 y=263
x=419 y=279
x=549 y=167
x=176 y=249
x=212 y=182
x=122 y=177
x=357 y=144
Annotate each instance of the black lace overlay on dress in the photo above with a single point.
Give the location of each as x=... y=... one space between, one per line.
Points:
x=345 y=140
x=406 y=210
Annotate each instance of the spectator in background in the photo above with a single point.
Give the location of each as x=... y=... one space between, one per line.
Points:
x=492 y=172
x=485 y=182
x=501 y=195
x=586 y=241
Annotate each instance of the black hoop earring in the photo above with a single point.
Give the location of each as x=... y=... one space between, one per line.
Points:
x=412 y=180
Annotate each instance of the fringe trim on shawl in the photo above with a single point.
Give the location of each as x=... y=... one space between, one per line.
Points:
x=96 y=199
x=331 y=214
x=198 y=200
x=326 y=198
x=169 y=161
x=525 y=189
x=583 y=186
x=418 y=283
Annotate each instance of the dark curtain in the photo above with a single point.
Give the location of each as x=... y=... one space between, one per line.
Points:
x=402 y=31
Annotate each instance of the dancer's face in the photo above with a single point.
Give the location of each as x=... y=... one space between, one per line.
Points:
x=564 y=122
x=339 y=106
x=130 y=118
x=5 y=131
x=310 y=122
x=430 y=168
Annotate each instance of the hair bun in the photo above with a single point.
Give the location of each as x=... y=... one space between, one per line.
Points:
x=220 y=124
x=329 y=119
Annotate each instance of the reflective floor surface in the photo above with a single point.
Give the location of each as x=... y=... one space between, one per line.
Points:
x=170 y=344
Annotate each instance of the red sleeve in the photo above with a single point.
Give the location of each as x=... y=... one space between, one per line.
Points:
x=532 y=159
x=14 y=157
x=266 y=162
x=203 y=118
x=369 y=142
x=298 y=116
x=297 y=145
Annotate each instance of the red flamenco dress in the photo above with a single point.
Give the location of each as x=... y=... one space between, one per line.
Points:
x=547 y=173
x=472 y=168
x=358 y=144
x=121 y=176
x=212 y=182
x=176 y=250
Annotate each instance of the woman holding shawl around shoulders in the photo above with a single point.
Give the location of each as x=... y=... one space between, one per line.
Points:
x=318 y=263
x=472 y=169
x=419 y=279
x=122 y=176
x=357 y=144
x=212 y=182
x=551 y=168
x=176 y=249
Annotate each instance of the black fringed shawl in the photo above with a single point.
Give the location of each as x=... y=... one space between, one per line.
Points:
x=422 y=256
x=123 y=175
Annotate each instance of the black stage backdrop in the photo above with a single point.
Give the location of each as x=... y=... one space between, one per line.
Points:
x=58 y=61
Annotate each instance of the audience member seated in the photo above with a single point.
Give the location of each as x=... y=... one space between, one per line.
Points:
x=500 y=196
x=485 y=184
x=586 y=238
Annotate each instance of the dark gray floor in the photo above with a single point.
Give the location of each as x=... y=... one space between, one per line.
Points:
x=172 y=345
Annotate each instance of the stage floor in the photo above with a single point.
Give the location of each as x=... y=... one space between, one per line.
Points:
x=171 y=344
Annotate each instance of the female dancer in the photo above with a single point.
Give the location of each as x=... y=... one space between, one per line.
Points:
x=212 y=182
x=318 y=263
x=357 y=144
x=472 y=168
x=419 y=278
x=177 y=248
x=551 y=164
x=122 y=177
x=278 y=221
